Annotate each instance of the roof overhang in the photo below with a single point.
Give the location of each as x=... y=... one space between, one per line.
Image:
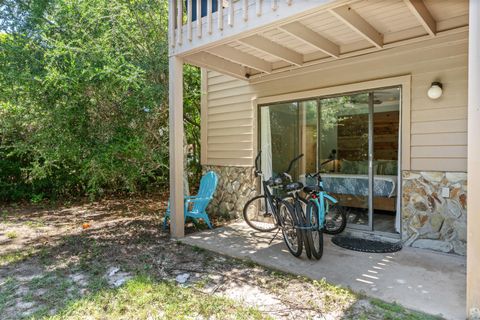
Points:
x=330 y=31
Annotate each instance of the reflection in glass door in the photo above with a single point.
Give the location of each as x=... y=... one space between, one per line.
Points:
x=279 y=138
x=386 y=151
x=360 y=133
x=344 y=139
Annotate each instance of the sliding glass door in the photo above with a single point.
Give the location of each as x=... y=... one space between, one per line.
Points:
x=355 y=137
x=344 y=139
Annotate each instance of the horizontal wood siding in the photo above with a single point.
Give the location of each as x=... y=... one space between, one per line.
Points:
x=438 y=127
x=229 y=124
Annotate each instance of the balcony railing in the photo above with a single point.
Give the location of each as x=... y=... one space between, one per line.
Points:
x=197 y=22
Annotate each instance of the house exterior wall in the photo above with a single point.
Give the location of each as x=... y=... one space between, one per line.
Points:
x=437 y=128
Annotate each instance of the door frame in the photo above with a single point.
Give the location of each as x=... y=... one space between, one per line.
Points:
x=403 y=81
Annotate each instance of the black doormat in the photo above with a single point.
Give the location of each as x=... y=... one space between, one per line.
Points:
x=364 y=245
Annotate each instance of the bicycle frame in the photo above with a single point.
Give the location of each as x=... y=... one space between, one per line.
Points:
x=272 y=199
x=319 y=199
x=272 y=202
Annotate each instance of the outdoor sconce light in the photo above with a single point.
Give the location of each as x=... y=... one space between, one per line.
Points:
x=435 y=90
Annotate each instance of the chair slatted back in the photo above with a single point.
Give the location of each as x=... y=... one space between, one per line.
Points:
x=208 y=185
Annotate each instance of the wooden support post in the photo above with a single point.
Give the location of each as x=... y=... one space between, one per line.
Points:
x=473 y=215
x=177 y=219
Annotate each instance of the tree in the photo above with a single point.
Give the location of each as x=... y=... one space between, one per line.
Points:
x=83 y=98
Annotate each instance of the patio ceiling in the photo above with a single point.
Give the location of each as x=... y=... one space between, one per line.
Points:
x=335 y=31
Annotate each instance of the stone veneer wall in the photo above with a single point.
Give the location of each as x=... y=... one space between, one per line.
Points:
x=236 y=186
x=429 y=220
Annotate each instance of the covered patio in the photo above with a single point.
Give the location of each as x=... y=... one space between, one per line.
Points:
x=403 y=277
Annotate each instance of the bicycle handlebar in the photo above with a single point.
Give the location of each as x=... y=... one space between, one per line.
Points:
x=310 y=175
x=257 y=158
x=292 y=162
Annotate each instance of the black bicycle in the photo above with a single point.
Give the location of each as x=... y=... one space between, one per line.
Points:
x=267 y=212
x=305 y=217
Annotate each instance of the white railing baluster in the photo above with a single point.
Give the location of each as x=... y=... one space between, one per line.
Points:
x=259 y=7
x=199 y=18
x=189 y=20
x=172 y=21
x=209 y=16
x=274 y=4
x=245 y=10
x=231 y=13
x=179 y=21
x=220 y=14
x=182 y=24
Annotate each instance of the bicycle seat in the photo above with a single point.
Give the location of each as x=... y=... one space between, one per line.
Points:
x=274 y=182
x=293 y=186
x=312 y=189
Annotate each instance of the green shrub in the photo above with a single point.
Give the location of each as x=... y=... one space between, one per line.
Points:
x=84 y=99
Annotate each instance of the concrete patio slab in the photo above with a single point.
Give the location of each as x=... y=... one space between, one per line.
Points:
x=418 y=279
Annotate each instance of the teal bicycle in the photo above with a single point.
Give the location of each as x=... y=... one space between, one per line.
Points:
x=322 y=214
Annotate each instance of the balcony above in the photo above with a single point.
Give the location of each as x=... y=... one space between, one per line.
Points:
x=249 y=39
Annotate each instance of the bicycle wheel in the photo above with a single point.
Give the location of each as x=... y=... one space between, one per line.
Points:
x=258 y=214
x=315 y=235
x=300 y=210
x=291 y=234
x=335 y=218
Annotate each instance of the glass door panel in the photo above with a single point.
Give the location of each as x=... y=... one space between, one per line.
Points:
x=386 y=124
x=308 y=137
x=279 y=137
x=344 y=143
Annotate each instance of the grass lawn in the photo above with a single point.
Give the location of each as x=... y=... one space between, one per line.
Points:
x=124 y=266
x=143 y=298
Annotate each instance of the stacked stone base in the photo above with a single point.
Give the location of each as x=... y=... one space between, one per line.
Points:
x=429 y=220
x=236 y=186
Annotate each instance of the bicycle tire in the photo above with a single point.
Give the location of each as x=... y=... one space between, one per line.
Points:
x=252 y=207
x=338 y=213
x=334 y=228
x=306 y=233
x=288 y=221
x=315 y=236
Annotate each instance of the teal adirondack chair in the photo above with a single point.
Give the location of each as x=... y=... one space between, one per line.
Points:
x=195 y=206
